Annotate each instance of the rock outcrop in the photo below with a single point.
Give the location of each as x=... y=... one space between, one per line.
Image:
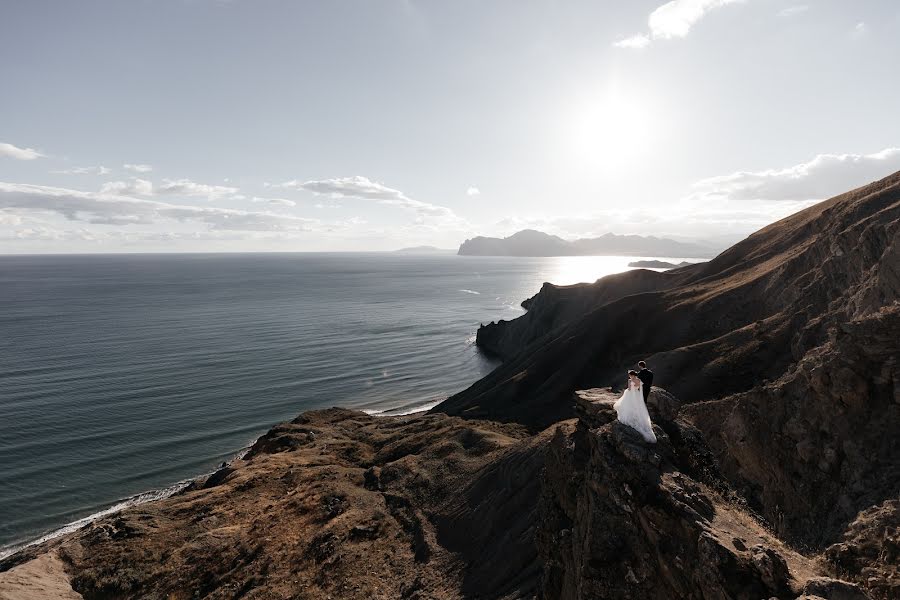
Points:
x=869 y=550
x=622 y=518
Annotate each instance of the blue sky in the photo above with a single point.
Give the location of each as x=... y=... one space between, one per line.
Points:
x=211 y=125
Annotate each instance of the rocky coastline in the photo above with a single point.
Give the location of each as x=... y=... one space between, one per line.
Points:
x=775 y=474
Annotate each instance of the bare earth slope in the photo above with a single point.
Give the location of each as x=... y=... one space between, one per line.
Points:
x=335 y=504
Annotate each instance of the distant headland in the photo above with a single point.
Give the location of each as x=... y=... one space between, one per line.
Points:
x=657 y=264
x=536 y=243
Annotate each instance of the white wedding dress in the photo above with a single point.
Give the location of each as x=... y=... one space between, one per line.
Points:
x=633 y=412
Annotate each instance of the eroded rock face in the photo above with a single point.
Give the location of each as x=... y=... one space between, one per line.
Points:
x=817 y=446
x=869 y=550
x=826 y=588
x=621 y=520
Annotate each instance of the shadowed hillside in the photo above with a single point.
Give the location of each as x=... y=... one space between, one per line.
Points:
x=707 y=330
x=784 y=347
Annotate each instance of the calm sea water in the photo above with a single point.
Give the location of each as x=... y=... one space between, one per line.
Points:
x=126 y=374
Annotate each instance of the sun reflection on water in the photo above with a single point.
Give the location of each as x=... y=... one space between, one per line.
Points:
x=566 y=270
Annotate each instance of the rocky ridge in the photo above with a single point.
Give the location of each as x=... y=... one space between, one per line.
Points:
x=340 y=504
x=622 y=518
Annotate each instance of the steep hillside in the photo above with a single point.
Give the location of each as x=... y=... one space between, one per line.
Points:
x=784 y=346
x=707 y=330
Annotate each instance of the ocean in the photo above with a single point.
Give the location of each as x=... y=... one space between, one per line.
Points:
x=123 y=375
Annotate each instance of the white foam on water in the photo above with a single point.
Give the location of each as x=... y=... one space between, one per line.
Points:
x=143 y=497
x=70 y=527
x=404 y=409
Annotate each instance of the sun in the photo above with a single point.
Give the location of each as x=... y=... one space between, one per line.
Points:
x=607 y=132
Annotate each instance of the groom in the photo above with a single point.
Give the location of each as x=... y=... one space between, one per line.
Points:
x=646 y=377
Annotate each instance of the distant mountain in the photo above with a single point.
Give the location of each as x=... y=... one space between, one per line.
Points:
x=657 y=264
x=423 y=250
x=536 y=243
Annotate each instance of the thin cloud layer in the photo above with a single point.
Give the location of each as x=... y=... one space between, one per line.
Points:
x=135 y=187
x=791 y=11
x=98 y=170
x=137 y=168
x=824 y=176
x=186 y=187
x=672 y=20
x=277 y=201
x=365 y=189
x=636 y=41
x=11 y=151
x=111 y=209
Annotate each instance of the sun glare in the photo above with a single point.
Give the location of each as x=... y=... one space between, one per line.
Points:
x=568 y=270
x=608 y=132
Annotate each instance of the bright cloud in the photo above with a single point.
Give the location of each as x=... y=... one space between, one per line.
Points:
x=186 y=187
x=279 y=201
x=824 y=176
x=723 y=208
x=11 y=151
x=791 y=11
x=473 y=191
x=137 y=168
x=673 y=19
x=139 y=187
x=636 y=41
x=365 y=189
x=110 y=209
x=99 y=170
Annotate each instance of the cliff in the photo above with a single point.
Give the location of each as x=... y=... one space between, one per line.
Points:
x=707 y=330
x=625 y=519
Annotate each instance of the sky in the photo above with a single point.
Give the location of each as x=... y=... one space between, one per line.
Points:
x=349 y=125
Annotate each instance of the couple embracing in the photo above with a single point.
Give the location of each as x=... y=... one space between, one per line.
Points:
x=631 y=408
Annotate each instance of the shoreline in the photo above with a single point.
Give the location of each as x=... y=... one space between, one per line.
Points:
x=9 y=550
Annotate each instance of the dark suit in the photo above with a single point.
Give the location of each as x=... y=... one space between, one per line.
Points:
x=646 y=377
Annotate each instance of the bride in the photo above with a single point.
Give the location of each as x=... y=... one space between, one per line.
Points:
x=631 y=408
